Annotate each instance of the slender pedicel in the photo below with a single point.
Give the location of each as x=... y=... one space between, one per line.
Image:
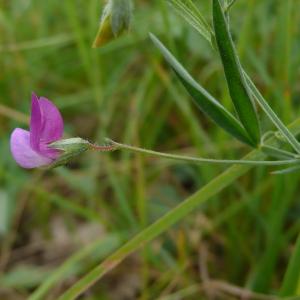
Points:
x=115 y=146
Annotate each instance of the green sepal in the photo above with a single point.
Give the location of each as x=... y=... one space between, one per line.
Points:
x=70 y=148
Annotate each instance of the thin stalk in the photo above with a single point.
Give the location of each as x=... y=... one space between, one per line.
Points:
x=103 y=148
x=198 y=160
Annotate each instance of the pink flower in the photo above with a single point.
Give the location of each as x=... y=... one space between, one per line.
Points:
x=30 y=148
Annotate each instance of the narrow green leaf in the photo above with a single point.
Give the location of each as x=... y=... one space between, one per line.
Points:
x=206 y=102
x=234 y=75
x=286 y=171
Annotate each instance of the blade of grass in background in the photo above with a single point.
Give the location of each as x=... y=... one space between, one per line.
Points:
x=203 y=99
x=164 y=223
x=291 y=283
x=283 y=57
x=275 y=217
x=58 y=40
x=101 y=247
x=235 y=78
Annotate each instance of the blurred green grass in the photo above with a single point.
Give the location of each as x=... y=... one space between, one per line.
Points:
x=124 y=91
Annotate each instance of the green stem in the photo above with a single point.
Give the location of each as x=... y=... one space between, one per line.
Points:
x=205 y=160
x=166 y=221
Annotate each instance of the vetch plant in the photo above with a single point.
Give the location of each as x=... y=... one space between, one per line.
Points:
x=42 y=145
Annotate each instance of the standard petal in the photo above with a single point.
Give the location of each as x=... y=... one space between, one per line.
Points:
x=22 y=152
x=52 y=122
x=35 y=123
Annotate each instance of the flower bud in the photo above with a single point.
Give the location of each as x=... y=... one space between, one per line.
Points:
x=116 y=18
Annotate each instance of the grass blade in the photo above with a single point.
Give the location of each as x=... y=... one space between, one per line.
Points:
x=291 y=278
x=203 y=99
x=165 y=222
x=234 y=75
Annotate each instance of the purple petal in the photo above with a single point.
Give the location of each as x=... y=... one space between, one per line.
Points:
x=35 y=123
x=22 y=152
x=52 y=122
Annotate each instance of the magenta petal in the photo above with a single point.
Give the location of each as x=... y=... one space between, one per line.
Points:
x=52 y=122
x=22 y=152
x=35 y=123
